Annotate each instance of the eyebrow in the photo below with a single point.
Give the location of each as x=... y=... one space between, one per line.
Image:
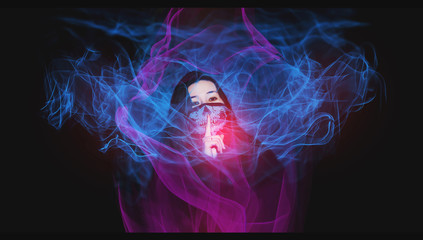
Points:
x=207 y=93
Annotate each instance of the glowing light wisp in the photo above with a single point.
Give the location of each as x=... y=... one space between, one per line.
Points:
x=291 y=84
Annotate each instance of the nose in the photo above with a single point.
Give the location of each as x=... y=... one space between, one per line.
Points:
x=206 y=109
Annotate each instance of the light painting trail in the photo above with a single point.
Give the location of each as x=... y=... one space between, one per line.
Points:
x=284 y=86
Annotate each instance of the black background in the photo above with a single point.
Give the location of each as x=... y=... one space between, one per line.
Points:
x=56 y=180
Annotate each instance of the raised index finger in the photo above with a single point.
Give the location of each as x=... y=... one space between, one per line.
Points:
x=208 y=127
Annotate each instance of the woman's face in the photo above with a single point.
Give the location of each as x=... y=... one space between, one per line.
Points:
x=207 y=105
x=202 y=92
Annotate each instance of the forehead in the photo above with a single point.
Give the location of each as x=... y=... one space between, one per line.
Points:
x=201 y=87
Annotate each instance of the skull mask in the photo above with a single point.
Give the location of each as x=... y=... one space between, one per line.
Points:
x=217 y=113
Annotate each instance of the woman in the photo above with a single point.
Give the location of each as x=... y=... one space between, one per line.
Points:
x=217 y=180
x=204 y=172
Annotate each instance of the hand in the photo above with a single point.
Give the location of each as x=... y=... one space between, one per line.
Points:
x=212 y=144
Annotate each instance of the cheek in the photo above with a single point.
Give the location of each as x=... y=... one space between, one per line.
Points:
x=199 y=121
x=217 y=119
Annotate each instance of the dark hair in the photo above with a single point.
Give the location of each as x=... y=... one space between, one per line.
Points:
x=180 y=98
x=181 y=102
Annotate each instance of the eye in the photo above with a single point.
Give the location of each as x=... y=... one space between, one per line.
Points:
x=212 y=99
x=196 y=103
